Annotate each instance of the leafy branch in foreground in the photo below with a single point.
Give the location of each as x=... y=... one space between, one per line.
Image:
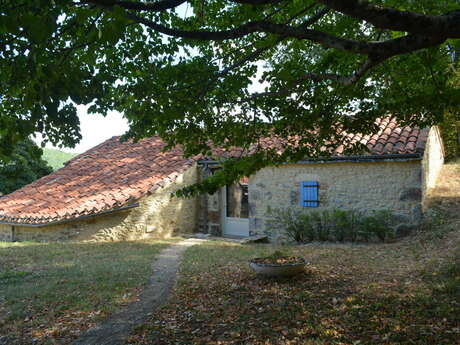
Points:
x=226 y=72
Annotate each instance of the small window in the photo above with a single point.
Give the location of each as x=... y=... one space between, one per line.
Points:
x=309 y=194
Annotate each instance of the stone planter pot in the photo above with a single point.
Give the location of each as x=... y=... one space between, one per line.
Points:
x=278 y=270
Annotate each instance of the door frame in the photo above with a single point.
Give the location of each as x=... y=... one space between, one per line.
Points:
x=244 y=222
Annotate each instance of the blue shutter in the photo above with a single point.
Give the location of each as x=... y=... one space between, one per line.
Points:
x=309 y=194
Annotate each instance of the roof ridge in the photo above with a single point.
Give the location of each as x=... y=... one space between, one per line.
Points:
x=91 y=149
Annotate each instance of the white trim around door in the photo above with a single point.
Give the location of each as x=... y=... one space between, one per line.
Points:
x=235 y=210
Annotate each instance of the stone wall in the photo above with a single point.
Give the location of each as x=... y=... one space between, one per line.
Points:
x=393 y=186
x=433 y=160
x=158 y=215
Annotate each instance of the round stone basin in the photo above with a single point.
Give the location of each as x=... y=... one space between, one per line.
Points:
x=278 y=270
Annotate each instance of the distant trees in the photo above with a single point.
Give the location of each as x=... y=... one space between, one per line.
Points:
x=25 y=166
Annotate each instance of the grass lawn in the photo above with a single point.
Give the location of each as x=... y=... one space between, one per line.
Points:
x=50 y=292
x=400 y=293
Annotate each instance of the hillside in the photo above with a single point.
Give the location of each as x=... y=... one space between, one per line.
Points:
x=56 y=158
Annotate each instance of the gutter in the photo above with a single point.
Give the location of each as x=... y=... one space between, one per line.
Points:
x=57 y=222
x=353 y=159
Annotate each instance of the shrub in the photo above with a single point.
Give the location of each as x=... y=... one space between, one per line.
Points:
x=378 y=224
x=346 y=225
x=307 y=228
x=331 y=225
x=288 y=220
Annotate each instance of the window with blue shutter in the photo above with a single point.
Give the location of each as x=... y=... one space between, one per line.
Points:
x=309 y=194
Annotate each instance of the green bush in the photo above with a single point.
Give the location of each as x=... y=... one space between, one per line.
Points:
x=346 y=225
x=306 y=227
x=331 y=225
x=378 y=224
x=290 y=221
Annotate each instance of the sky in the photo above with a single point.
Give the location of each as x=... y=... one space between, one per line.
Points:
x=95 y=129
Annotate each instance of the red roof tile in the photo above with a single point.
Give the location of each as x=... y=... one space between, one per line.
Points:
x=390 y=139
x=107 y=176
x=115 y=174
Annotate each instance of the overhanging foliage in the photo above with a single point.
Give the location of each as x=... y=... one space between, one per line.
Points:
x=226 y=72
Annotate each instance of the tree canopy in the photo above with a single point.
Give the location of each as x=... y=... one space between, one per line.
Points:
x=24 y=166
x=227 y=72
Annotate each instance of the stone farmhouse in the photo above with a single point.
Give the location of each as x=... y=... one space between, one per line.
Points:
x=122 y=191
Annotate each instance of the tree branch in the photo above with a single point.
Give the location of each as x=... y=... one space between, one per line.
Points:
x=343 y=80
x=377 y=51
x=447 y=25
x=138 y=6
x=258 y=2
x=390 y=47
x=258 y=52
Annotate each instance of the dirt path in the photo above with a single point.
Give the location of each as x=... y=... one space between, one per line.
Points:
x=117 y=328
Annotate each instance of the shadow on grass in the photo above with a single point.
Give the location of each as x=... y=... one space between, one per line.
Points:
x=227 y=304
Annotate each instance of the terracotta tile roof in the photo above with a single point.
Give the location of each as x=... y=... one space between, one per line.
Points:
x=109 y=176
x=391 y=139
x=114 y=174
